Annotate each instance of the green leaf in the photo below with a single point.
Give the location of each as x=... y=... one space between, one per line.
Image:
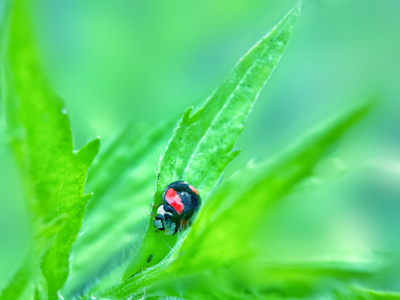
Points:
x=225 y=226
x=201 y=146
x=127 y=151
x=257 y=280
x=367 y=294
x=122 y=180
x=18 y=283
x=40 y=135
x=71 y=205
x=254 y=195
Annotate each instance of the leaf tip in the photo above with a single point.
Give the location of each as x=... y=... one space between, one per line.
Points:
x=187 y=113
x=365 y=106
x=88 y=152
x=236 y=153
x=296 y=10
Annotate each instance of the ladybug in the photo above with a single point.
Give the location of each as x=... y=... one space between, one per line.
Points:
x=180 y=202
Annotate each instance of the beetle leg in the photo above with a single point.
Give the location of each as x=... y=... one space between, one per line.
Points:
x=184 y=224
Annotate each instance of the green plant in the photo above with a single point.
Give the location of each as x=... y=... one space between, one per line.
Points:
x=220 y=256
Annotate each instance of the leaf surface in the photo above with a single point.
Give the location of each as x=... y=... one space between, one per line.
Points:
x=122 y=180
x=223 y=231
x=202 y=144
x=234 y=211
x=40 y=135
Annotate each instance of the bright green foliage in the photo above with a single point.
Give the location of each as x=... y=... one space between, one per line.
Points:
x=122 y=180
x=19 y=282
x=201 y=146
x=220 y=256
x=246 y=197
x=124 y=153
x=53 y=174
x=252 y=281
x=224 y=230
x=356 y=292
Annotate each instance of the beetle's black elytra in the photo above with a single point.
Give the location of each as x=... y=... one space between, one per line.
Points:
x=180 y=202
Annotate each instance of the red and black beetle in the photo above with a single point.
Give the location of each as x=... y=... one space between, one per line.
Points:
x=180 y=202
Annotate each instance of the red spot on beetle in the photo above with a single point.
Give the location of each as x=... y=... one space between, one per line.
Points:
x=193 y=190
x=174 y=200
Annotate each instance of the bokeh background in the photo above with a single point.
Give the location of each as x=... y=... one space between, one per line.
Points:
x=122 y=62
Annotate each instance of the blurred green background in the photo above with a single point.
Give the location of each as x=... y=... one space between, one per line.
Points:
x=124 y=61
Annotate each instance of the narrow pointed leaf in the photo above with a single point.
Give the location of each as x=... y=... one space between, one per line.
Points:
x=201 y=146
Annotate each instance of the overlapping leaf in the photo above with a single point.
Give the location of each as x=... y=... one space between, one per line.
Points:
x=122 y=179
x=307 y=280
x=223 y=231
x=54 y=174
